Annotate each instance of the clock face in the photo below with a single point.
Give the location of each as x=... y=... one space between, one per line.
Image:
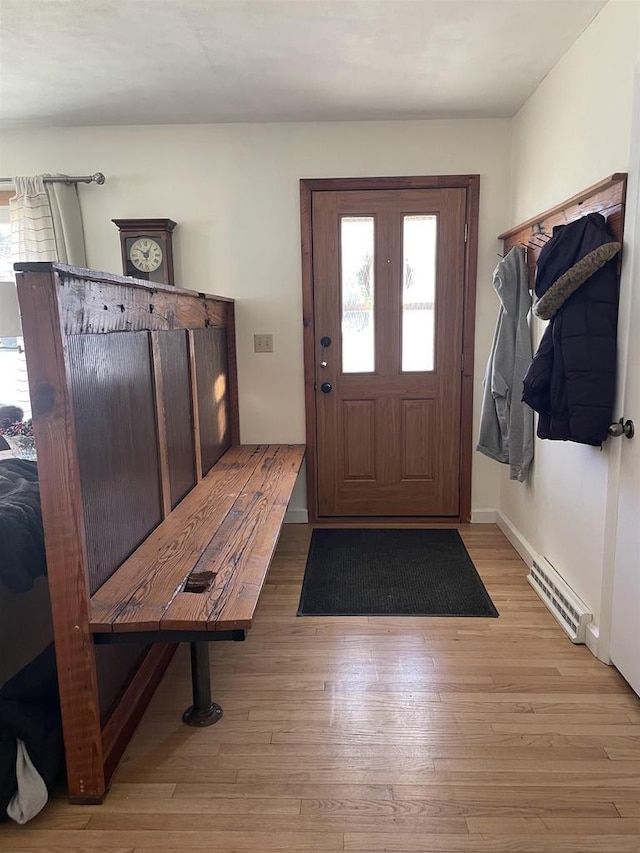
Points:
x=145 y=254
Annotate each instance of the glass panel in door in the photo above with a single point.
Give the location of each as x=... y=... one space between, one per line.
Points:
x=357 y=235
x=419 y=240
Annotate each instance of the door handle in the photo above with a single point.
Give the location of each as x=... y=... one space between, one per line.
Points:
x=326 y=387
x=622 y=427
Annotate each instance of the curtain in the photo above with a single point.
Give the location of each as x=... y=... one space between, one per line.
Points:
x=32 y=235
x=67 y=223
x=46 y=222
x=46 y=225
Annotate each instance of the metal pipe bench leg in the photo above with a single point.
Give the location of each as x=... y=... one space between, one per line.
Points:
x=203 y=712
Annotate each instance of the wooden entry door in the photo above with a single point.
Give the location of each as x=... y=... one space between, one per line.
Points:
x=388 y=286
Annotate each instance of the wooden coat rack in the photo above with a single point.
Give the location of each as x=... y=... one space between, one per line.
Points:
x=606 y=197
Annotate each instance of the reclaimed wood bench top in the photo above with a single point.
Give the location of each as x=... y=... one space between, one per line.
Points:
x=228 y=524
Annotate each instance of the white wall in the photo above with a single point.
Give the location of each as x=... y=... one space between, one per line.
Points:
x=572 y=132
x=234 y=191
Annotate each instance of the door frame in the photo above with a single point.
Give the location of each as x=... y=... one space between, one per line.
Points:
x=308 y=186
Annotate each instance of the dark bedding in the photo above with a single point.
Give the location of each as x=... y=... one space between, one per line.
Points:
x=30 y=711
x=22 y=554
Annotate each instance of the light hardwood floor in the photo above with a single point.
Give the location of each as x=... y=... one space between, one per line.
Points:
x=408 y=735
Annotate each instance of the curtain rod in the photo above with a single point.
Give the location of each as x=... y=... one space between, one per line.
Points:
x=98 y=178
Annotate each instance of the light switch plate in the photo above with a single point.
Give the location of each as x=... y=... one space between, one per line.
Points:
x=263 y=343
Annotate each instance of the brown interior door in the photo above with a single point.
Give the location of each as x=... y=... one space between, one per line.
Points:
x=388 y=272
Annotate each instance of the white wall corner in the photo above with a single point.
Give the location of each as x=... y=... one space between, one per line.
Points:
x=522 y=546
x=296 y=515
x=484 y=516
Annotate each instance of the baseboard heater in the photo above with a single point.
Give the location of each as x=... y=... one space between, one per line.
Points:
x=569 y=610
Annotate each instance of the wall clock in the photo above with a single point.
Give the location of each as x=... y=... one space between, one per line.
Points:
x=147 y=251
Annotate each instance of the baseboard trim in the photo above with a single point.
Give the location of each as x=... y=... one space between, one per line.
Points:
x=296 y=515
x=522 y=546
x=526 y=551
x=484 y=516
x=592 y=639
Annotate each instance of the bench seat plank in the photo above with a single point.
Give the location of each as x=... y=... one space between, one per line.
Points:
x=138 y=593
x=233 y=609
x=241 y=551
x=228 y=523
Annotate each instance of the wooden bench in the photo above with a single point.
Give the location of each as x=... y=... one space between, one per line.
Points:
x=159 y=524
x=219 y=541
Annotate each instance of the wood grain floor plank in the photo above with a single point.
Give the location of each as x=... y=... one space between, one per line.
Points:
x=445 y=778
x=518 y=794
x=60 y=819
x=141 y=791
x=308 y=823
x=628 y=809
x=297 y=790
x=541 y=725
x=401 y=714
x=540 y=762
x=547 y=843
x=627 y=752
x=410 y=735
x=193 y=805
x=27 y=847
x=174 y=840
x=593 y=826
x=558 y=826
x=446 y=805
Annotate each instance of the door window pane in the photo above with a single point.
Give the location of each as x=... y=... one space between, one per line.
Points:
x=419 y=240
x=357 y=264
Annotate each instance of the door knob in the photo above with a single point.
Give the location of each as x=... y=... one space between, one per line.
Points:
x=622 y=427
x=325 y=341
x=326 y=387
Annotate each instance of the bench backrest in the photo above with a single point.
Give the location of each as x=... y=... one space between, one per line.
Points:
x=134 y=397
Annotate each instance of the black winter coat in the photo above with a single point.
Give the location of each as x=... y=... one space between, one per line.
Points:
x=571 y=381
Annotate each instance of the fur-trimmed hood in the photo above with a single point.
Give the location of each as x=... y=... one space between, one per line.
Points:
x=574 y=254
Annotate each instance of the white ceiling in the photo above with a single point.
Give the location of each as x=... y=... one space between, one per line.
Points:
x=99 y=62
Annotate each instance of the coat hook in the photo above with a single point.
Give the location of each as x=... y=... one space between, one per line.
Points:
x=609 y=207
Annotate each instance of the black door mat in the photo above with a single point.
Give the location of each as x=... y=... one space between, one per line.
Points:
x=391 y=572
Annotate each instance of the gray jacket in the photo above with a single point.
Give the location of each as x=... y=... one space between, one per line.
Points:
x=506 y=424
